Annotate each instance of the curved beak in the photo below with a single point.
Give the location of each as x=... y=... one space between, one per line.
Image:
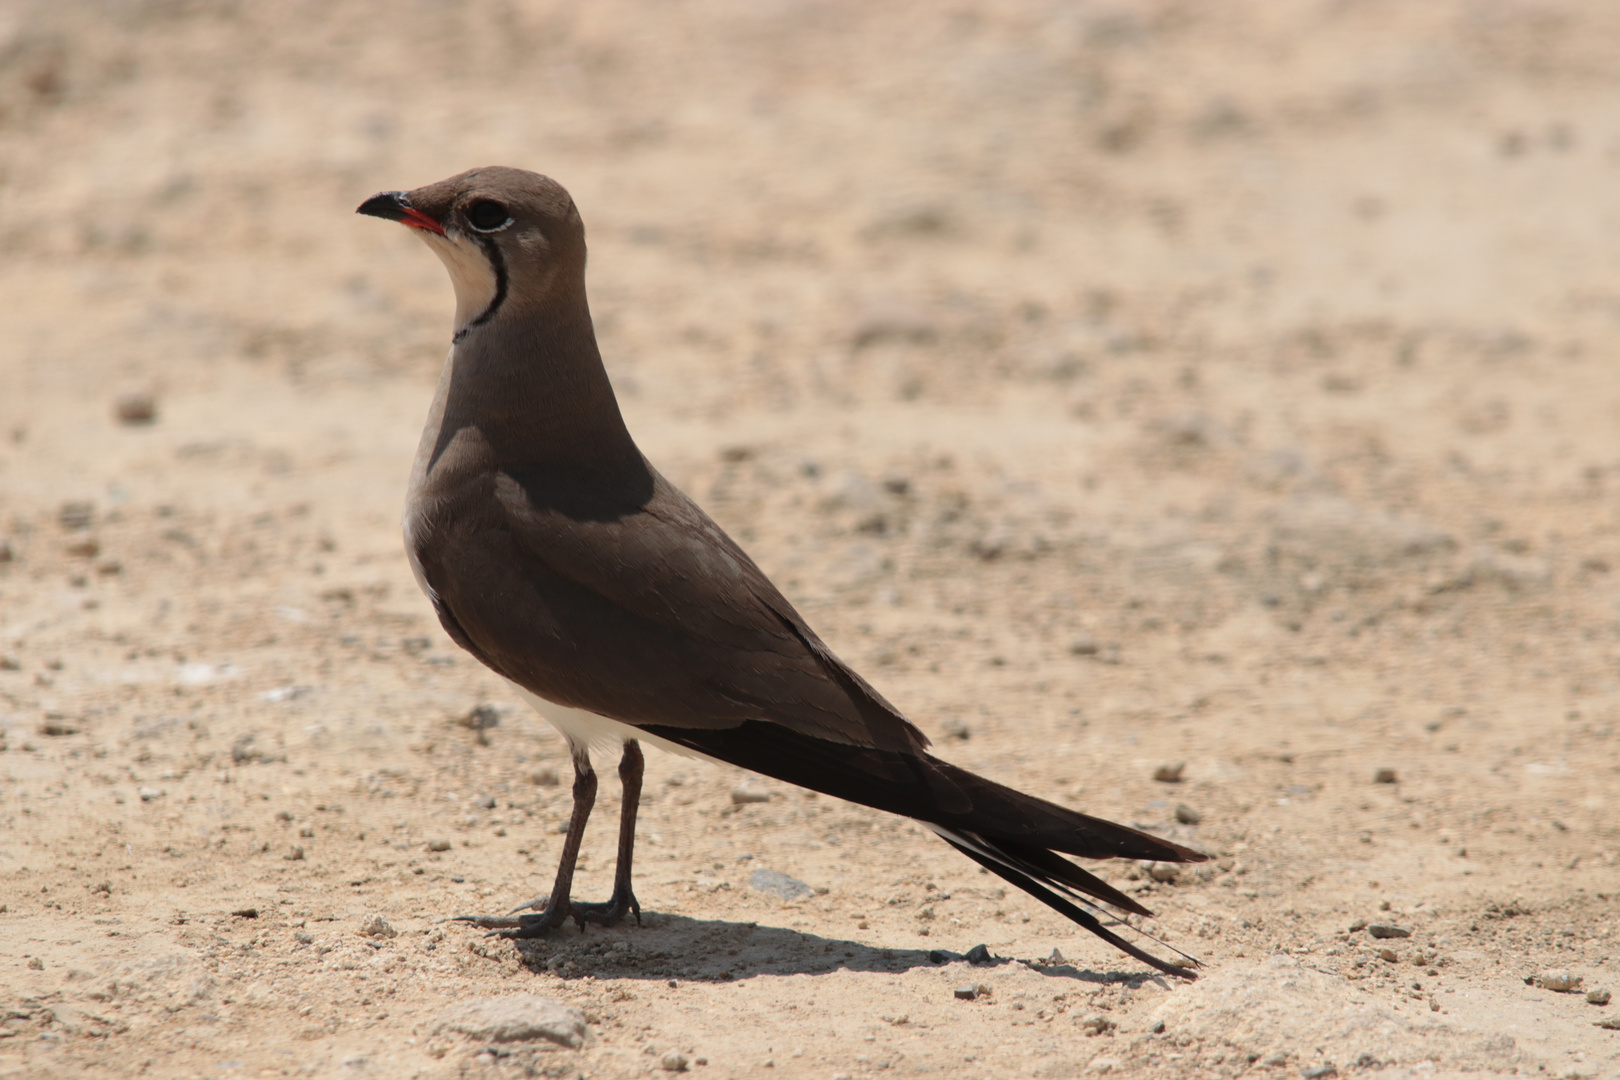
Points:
x=395 y=206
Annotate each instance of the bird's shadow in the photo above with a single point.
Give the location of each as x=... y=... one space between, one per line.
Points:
x=674 y=947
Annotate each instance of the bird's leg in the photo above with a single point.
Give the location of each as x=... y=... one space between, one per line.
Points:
x=630 y=770
x=558 y=906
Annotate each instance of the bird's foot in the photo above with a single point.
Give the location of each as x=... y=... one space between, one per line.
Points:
x=519 y=926
x=546 y=917
x=609 y=912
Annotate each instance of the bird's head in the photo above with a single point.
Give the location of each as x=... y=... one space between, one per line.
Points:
x=511 y=239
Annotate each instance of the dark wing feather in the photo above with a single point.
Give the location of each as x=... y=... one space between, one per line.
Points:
x=645 y=612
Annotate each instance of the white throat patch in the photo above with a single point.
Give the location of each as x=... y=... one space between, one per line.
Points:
x=470 y=273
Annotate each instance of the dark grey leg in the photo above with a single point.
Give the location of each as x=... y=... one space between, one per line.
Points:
x=558 y=908
x=558 y=905
x=624 y=899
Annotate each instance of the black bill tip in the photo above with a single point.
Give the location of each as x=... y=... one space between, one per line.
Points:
x=394 y=206
x=389 y=205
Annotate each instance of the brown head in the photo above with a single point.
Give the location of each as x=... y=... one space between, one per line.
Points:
x=511 y=239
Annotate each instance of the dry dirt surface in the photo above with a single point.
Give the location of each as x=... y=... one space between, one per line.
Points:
x=1119 y=386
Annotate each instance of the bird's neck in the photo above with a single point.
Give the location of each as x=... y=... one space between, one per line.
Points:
x=527 y=393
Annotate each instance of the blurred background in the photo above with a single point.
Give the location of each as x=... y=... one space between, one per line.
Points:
x=1117 y=384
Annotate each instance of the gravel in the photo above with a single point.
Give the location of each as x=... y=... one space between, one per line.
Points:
x=1386 y=930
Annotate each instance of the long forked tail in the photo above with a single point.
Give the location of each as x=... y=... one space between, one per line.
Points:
x=1059 y=890
x=1013 y=835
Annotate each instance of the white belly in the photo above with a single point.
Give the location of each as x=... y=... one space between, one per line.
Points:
x=591 y=731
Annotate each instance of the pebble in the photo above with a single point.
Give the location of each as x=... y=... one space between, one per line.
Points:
x=479 y=721
x=304 y=937
x=377 y=927
x=971 y=992
x=1187 y=815
x=1600 y=996
x=481 y=717
x=1385 y=930
x=673 y=1061
x=1320 y=1072
x=294 y=854
x=485 y=802
x=1609 y=1023
x=1084 y=645
x=743 y=794
x=1561 y=981
x=1384 y=776
x=76 y=515
x=1157 y=1028
x=979 y=954
x=777 y=884
x=148 y=794
x=1169 y=774
x=1358 y=925
x=955 y=727
x=1163 y=872
x=438 y=845
x=135 y=409
x=1057 y=957
x=543 y=777
x=515 y=1018
x=1388 y=955
x=1096 y=1024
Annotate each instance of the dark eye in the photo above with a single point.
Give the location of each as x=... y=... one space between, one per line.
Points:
x=487 y=215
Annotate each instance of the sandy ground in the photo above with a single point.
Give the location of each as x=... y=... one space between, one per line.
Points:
x=1116 y=385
